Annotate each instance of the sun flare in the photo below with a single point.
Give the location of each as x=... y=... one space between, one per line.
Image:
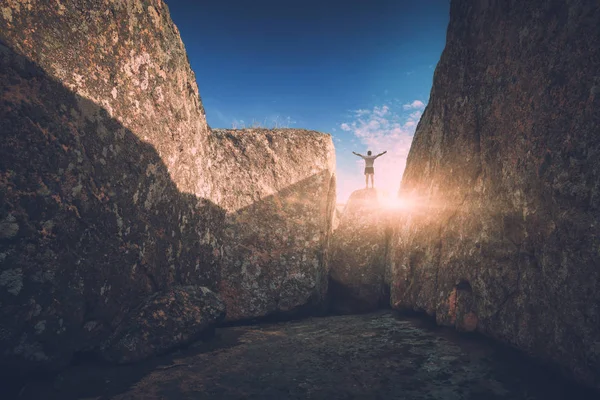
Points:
x=392 y=201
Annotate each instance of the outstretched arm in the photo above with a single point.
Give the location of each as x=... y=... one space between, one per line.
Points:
x=380 y=154
x=360 y=155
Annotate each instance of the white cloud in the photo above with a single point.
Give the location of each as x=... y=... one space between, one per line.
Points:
x=380 y=111
x=415 y=105
x=379 y=129
x=416 y=115
x=238 y=124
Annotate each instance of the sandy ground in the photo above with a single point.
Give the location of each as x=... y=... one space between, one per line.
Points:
x=369 y=356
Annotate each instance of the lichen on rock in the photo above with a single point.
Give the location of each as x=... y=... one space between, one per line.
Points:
x=114 y=188
x=278 y=188
x=504 y=172
x=100 y=189
x=164 y=321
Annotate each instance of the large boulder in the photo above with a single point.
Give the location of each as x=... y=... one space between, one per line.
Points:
x=503 y=171
x=358 y=255
x=164 y=321
x=114 y=188
x=102 y=174
x=278 y=189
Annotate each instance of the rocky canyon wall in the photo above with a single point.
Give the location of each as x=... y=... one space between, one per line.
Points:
x=278 y=189
x=504 y=233
x=358 y=255
x=101 y=163
x=118 y=204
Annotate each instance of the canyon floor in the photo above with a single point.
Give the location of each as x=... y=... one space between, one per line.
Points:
x=369 y=356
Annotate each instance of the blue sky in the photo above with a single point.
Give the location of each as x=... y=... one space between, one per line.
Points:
x=359 y=70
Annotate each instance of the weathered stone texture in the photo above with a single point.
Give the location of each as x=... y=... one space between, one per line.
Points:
x=102 y=163
x=504 y=236
x=113 y=189
x=358 y=255
x=368 y=356
x=164 y=321
x=278 y=188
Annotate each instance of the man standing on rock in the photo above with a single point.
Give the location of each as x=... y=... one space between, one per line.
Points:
x=369 y=170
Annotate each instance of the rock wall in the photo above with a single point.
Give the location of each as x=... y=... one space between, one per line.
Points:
x=278 y=189
x=504 y=233
x=101 y=174
x=119 y=202
x=358 y=253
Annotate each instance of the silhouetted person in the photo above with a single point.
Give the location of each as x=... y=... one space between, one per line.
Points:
x=369 y=170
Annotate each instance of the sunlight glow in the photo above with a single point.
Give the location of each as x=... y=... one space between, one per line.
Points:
x=410 y=203
x=387 y=128
x=392 y=201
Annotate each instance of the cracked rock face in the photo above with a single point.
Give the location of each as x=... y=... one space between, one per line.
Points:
x=113 y=187
x=101 y=173
x=278 y=189
x=358 y=254
x=504 y=232
x=164 y=321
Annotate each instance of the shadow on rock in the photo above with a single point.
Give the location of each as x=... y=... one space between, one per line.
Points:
x=97 y=226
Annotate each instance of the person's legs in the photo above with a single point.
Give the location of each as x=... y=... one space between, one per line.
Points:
x=367 y=181
x=373 y=181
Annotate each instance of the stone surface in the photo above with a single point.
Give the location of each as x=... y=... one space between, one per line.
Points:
x=113 y=187
x=166 y=320
x=279 y=199
x=368 y=356
x=358 y=256
x=504 y=234
x=102 y=172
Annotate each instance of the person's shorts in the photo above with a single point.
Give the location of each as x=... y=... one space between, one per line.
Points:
x=369 y=170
